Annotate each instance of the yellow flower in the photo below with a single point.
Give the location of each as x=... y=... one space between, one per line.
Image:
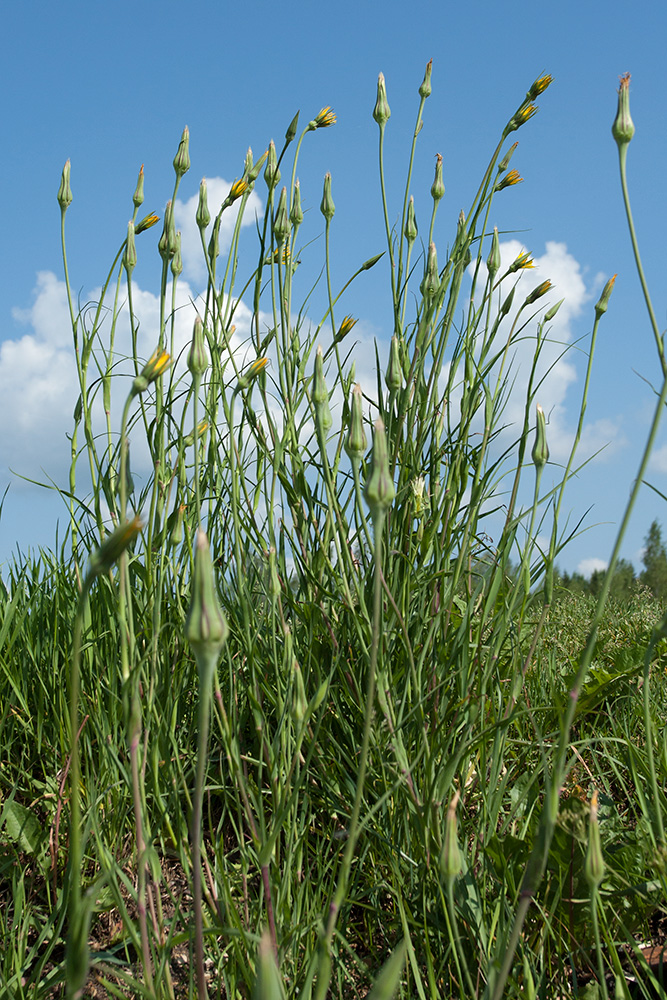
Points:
x=156 y=365
x=251 y=372
x=345 y=327
x=525 y=112
x=114 y=545
x=324 y=119
x=539 y=86
x=538 y=292
x=522 y=262
x=238 y=188
x=511 y=178
x=146 y=223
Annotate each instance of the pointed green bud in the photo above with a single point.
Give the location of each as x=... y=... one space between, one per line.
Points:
x=130 y=254
x=203 y=216
x=182 y=158
x=550 y=313
x=205 y=626
x=438 y=186
x=65 y=191
x=167 y=242
x=623 y=128
x=214 y=242
x=381 y=111
x=603 y=301
x=275 y=589
x=281 y=224
x=114 y=545
x=394 y=376
x=296 y=215
x=177 y=260
x=594 y=863
x=271 y=172
x=320 y=394
x=355 y=442
x=138 y=196
x=493 y=260
x=451 y=862
x=540 y=453
x=411 y=231
x=507 y=304
x=327 y=207
x=372 y=261
x=505 y=162
x=290 y=134
x=198 y=354
x=379 y=490
x=431 y=281
x=425 y=89
x=252 y=173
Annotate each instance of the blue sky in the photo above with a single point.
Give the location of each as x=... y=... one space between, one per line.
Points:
x=111 y=86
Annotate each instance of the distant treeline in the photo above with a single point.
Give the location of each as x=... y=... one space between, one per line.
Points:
x=625 y=581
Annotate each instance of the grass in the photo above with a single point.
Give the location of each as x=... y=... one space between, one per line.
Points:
x=314 y=724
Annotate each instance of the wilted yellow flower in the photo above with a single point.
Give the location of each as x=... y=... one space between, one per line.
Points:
x=510 y=178
x=146 y=223
x=324 y=119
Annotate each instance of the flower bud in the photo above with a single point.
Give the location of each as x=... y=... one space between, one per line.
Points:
x=177 y=260
x=550 y=313
x=355 y=442
x=507 y=304
x=196 y=432
x=509 y=180
x=327 y=207
x=156 y=365
x=372 y=261
x=130 y=254
x=275 y=589
x=411 y=231
x=138 y=196
x=167 y=242
x=203 y=216
x=198 y=355
x=379 y=490
x=438 y=186
x=538 y=292
x=538 y=87
x=65 y=191
x=425 y=88
x=431 y=281
x=182 y=158
x=493 y=260
x=524 y=114
x=451 y=862
x=290 y=134
x=381 y=111
x=296 y=215
x=281 y=224
x=540 y=453
x=394 y=375
x=504 y=163
x=623 y=128
x=205 y=626
x=603 y=301
x=594 y=864
x=114 y=545
x=252 y=172
x=251 y=373
x=344 y=328
x=271 y=172
x=147 y=222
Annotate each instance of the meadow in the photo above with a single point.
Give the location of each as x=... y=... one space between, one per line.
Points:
x=303 y=710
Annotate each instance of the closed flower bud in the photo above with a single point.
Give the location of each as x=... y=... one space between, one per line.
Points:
x=214 y=242
x=130 y=255
x=438 y=186
x=539 y=87
x=540 y=453
x=623 y=128
x=381 y=111
x=198 y=355
x=327 y=207
x=252 y=173
x=271 y=172
x=493 y=260
x=138 y=196
x=177 y=260
x=167 y=242
x=275 y=589
x=196 y=433
x=182 y=158
x=538 y=292
x=281 y=225
x=114 y=545
x=290 y=134
x=65 y=191
x=205 y=626
x=320 y=394
x=394 y=375
x=157 y=364
x=296 y=215
x=203 y=216
x=507 y=304
x=425 y=88
x=411 y=231
x=355 y=442
x=451 y=862
x=505 y=162
x=379 y=490
x=371 y=262
x=594 y=864
x=603 y=301
x=431 y=281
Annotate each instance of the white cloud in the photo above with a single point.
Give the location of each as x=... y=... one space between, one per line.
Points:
x=591 y=565
x=194 y=264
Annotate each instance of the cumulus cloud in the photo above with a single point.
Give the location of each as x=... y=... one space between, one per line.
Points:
x=194 y=264
x=591 y=565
